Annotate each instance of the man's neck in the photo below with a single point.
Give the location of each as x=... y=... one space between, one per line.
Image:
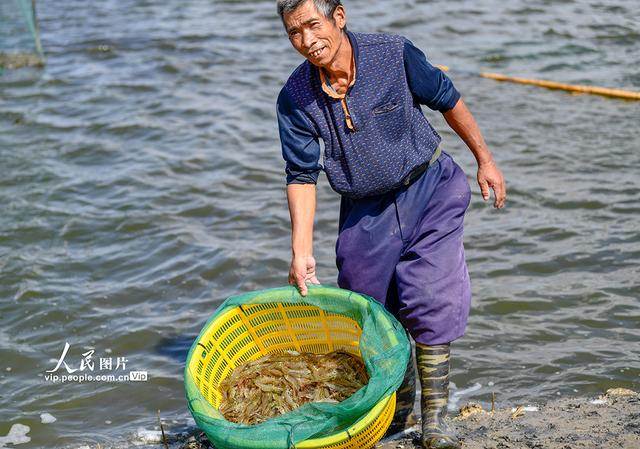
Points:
x=340 y=70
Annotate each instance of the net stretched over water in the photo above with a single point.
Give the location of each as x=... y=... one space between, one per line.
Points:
x=249 y=326
x=19 y=35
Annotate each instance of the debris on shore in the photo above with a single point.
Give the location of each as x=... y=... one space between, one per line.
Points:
x=611 y=420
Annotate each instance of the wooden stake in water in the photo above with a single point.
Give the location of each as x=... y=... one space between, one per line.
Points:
x=493 y=402
x=164 y=438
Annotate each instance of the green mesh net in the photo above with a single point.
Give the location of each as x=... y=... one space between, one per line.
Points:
x=19 y=35
x=384 y=348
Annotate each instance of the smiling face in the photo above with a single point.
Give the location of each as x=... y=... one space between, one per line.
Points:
x=315 y=36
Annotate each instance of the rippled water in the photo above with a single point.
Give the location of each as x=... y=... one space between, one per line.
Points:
x=142 y=184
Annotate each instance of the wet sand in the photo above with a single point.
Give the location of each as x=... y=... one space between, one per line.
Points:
x=610 y=421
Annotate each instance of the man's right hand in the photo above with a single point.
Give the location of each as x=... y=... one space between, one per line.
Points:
x=303 y=270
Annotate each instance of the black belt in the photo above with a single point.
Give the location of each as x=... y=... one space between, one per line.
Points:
x=420 y=169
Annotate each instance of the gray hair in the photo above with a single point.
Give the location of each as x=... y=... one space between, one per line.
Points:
x=325 y=7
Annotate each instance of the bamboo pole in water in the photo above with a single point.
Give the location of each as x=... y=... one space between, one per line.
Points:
x=593 y=90
x=37 y=30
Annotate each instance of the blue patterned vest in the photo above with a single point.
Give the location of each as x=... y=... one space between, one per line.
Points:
x=391 y=137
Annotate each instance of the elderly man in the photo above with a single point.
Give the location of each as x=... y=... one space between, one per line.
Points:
x=403 y=198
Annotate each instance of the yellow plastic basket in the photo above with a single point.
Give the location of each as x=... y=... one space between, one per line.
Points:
x=249 y=332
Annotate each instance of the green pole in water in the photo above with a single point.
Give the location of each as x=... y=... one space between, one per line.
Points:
x=37 y=30
x=29 y=13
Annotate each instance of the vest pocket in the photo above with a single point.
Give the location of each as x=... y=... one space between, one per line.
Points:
x=387 y=107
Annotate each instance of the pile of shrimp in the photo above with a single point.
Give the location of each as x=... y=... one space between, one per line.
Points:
x=278 y=383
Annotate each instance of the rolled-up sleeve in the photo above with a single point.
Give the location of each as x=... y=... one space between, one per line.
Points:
x=428 y=84
x=300 y=146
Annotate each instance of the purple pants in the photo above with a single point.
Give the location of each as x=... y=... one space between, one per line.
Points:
x=405 y=249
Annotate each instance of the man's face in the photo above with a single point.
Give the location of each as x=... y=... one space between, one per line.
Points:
x=316 y=37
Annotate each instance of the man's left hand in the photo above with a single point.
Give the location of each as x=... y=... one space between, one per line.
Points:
x=490 y=176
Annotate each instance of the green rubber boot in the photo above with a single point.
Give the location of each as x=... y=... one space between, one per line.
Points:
x=404 y=417
x=433 y=367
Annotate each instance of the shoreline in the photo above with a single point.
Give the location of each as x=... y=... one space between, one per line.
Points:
x=612 y=420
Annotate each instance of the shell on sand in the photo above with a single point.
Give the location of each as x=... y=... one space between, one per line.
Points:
x=469 y=409
x=620 y=392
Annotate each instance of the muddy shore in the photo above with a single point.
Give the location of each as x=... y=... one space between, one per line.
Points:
x=610 y=421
